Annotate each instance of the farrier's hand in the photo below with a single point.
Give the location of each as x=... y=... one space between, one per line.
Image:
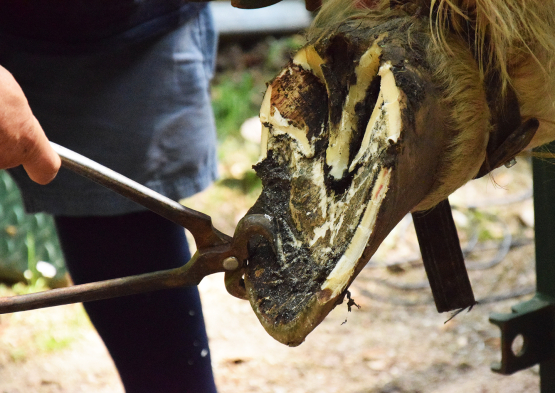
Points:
x=22 y=140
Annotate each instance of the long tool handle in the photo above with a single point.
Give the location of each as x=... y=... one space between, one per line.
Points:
x=92 y=291
x=199 y=224
x=187 y=275
x=216 y=253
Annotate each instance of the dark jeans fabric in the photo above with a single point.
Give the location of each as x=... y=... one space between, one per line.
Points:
x=143 y=111
x=157 y=340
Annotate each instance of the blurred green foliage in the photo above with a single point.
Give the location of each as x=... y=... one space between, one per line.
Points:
x=25 y=240
x=233 y=104
x=243 y=69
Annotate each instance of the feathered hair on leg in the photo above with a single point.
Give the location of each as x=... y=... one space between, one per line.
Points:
x=502 y=33
x=335 y=12
x=514 y=39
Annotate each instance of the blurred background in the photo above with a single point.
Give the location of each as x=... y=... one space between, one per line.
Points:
x=395 y=342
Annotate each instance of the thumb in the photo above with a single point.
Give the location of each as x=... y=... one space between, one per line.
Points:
x=41 y=162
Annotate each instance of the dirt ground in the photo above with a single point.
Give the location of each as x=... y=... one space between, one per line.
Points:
x=396 y=342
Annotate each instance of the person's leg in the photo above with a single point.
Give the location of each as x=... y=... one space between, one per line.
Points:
x=157 y=340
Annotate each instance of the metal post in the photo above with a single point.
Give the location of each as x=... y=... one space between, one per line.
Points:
x=544 y=210
x=534 y=320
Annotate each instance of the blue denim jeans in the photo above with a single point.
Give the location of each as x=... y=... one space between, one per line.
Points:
x=157 y=340
x=143 y=110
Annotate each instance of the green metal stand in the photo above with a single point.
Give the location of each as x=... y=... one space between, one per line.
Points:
x=544 y=210
x=534 y=320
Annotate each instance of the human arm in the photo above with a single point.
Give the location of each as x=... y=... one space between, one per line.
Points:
x=22 y=140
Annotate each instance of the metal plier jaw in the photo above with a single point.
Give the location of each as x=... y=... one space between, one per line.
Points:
x=251 y=225
x=216 y=251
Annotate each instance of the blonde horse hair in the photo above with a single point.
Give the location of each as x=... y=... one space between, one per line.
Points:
x=506 y=32
x=501 y=33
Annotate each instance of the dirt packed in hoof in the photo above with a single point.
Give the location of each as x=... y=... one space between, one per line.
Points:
x=395 y=342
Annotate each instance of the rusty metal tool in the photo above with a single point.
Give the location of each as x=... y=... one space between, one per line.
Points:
x=216 y=252
x=311 y=5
